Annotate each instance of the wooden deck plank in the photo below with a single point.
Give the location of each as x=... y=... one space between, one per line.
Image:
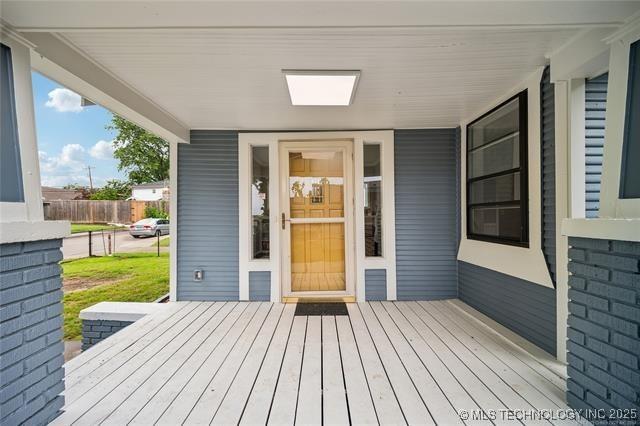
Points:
x=285 y=398
x=124 y=338
x=257 y=363
x=309 y=408
x=494 y=361
x=232 y=407
x=446 y=380
x=361 y=408
x=158 y=403
x=491 y=326
x=510 y=397
x=438 y=403
x=334 y=407
x=514 y=349
x=98 y=389
x=256 y=410
x=180 y=407
x=413 y=406
x=125 y=412
x=264 y=321
x=113 y=358
x=472 y=384
x=135 y=355
x=535 y=376
x=158 y=367
x=383 y=395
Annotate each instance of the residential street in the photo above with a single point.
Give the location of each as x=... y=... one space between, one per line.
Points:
x=77 y=246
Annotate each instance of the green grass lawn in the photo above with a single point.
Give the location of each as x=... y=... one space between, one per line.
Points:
x=163 y=243
x=127 y=277
x=86 y=227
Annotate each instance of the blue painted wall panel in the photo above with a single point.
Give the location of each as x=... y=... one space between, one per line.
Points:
x=260 y=286
x=595 y=110
x=425 y=185
x=526 y=308
x=548 y=153
x=375 y=282
x=208 y=216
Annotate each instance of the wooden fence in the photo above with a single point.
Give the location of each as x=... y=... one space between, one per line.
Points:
x=99 y=211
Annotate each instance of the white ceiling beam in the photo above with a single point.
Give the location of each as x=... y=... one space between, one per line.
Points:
x=585 y=56
x=64 y=16
x=57 y=60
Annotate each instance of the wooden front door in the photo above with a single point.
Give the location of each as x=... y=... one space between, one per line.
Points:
x=315 y=220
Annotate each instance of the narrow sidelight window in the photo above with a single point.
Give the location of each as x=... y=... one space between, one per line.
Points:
x=497 y=209
x=630 y=177
x=11 y=190
x=372 y=201
x=260 y=201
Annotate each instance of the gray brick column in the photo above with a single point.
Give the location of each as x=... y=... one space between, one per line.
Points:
x=604 y=324
x=31 y=346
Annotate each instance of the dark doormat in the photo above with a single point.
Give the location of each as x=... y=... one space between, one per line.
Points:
x=305 y=309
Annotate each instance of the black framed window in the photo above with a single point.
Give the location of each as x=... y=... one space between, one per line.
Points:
x=630 y=176
x=497 y=191
x=11 y=189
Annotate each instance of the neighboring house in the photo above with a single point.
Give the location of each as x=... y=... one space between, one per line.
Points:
x=493 y=143
x=58 y=194
x=152 y=191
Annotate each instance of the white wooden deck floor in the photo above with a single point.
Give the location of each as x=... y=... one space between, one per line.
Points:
x=257 y=363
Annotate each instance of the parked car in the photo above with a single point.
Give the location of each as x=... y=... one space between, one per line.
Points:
x=149 y=227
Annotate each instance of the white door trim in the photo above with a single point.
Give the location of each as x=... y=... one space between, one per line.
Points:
x=361 y=263
x=346 y=147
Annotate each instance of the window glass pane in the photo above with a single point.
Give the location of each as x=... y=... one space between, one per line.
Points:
x=498 y=124
x=496 y=189
x=260 y=201
x=503 y=222
x=495 y=204
x=372 y=200
x=11 y=189
x=495 y=157
x=316 y=184
x=630 y=179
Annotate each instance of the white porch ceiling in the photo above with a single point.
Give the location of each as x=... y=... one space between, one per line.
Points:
x=232 y=79
x=217 y=64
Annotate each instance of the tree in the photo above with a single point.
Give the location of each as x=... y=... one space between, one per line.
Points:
x=144 y=156
x=113 y=190
x=84 y=191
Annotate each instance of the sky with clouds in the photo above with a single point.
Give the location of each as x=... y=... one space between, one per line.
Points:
x=71 y=137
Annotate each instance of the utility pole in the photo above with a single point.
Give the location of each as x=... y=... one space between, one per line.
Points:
x=90 y=179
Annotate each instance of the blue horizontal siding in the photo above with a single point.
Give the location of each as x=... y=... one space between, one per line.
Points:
x=526 y=308
x=375 y=284
x=260 y=286
x=208 y=216
x=425 y=191
x=548 y=151
x=595 y=110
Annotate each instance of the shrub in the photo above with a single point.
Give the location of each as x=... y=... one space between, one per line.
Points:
x=155 y=213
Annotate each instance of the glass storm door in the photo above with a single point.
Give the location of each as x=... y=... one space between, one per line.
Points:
x=313 y=220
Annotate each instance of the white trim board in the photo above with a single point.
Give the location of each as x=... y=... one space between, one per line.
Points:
x=604 y=229
x=30 y=210
x=173 y=222
x=525 y=263
x=388 y=262
x=121 y=311
x=15 y=232
x=611 y=205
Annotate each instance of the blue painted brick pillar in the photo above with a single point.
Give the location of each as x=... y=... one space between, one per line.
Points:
x=31 y=346
x=604 y=325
